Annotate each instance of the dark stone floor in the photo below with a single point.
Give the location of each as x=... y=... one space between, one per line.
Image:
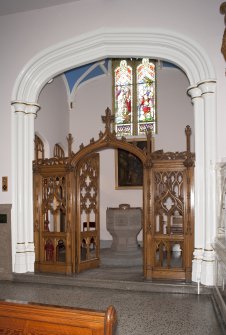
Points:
x=139 y=312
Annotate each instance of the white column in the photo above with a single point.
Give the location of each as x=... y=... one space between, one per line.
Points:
x=20 y=256
x=22 y=176
x=199 y=176
x=208 y=94
x=31 y=110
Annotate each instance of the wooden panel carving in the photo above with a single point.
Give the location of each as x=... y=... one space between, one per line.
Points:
x=58 y=151
x=171 y=207
x=88 y=212
x=54 y=203
x=52 y=210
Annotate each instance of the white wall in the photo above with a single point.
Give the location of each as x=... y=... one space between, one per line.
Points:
x=174 y=110
x=52 y=122
x=91 y=100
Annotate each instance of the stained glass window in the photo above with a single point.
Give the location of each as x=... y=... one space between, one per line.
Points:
x=134 y=96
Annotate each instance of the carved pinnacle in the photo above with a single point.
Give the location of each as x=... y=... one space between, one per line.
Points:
x=188 y=137
x=108 y=119
x=69 y=141
x=149 y=140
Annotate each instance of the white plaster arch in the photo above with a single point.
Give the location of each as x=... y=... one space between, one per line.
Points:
x=123 y=42
x=109 y=42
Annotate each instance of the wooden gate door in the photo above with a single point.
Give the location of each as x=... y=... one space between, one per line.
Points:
x=171 y=243
x=87 y=213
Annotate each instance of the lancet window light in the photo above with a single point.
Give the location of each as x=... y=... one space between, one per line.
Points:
x=134 y=97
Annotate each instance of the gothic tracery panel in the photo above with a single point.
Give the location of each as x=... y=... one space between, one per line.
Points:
x=53 y=217
x=169 y=200
x=170 y=194
x=88 y=186
x=54 y=203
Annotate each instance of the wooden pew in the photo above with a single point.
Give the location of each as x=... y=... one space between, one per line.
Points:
x=35 y=319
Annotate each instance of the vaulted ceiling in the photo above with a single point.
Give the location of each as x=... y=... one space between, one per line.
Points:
x=16 y=6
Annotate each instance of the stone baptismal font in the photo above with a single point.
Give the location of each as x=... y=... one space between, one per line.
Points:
x=124 y=224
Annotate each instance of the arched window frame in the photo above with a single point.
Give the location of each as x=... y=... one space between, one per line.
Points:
x=134 y=96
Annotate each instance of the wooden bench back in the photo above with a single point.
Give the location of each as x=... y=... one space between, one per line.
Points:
x=36 y=319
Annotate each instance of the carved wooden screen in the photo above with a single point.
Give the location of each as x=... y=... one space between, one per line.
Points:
x=53 y=221
x=66 y=208
x=171 y=220
x=87 y=216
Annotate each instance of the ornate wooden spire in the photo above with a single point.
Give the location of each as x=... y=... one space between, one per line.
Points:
x=149 y=141
x=188 y=138
x=189 y=161
x=108 y=119
x=69 y=141
x=149 y=163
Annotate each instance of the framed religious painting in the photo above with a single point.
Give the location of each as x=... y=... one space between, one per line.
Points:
x=128 y=167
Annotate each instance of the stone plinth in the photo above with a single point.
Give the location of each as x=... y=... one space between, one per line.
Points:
x=6 y=245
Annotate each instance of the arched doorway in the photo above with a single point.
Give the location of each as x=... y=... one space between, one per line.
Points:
x=86 y=165
x=174 y=48
x=167 y=209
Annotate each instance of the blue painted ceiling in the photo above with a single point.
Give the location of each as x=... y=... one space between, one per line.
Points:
x=83 y=73
x=79 y=75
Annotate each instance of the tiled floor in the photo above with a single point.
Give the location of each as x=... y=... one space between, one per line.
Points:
x=139 y=313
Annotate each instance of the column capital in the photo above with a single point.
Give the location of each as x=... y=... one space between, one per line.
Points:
x=32 y=108
x=19 y=106
x=207 y=86
x=25 y=107
x=194 y=92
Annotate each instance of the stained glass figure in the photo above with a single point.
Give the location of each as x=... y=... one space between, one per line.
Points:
x=123 y=99
x=146 y=96
x=134 y=96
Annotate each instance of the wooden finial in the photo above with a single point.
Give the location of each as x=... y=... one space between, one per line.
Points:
x=69 y=141
x=149 y=140
x=108 y=119
x=148 y=164
x=188 y=138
